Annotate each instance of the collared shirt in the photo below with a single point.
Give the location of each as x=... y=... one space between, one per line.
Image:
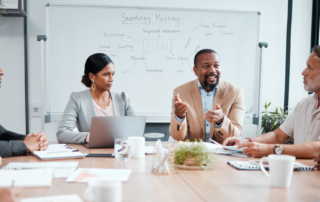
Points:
x=207 y=104
x=303 y=124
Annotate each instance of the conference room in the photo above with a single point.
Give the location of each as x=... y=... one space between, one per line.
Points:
x=159 y=100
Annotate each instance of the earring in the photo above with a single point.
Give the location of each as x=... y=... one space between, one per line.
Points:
x=93 y=85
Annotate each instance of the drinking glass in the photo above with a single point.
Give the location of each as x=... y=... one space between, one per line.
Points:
x=122 y=149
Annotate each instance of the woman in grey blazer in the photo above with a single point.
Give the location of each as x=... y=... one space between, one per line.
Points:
x=95 y=101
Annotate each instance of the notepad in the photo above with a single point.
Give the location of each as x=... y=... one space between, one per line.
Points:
x=58 y=155
x=26 y=178
x=61 y=169
x=61 y=198
x=84 y=175
x=254 y=165
x=58 y=151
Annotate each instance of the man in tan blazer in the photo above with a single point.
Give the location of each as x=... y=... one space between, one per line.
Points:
x=207 y=107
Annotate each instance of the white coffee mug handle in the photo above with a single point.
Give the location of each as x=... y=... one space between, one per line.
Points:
x=262 y=167
x=88 y=194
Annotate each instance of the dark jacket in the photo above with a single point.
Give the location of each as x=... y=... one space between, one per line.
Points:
x=11 y=143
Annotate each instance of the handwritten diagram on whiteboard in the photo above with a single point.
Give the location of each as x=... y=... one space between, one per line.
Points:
x=153 y=50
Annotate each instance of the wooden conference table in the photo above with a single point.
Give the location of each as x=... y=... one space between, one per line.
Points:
x=224 y=183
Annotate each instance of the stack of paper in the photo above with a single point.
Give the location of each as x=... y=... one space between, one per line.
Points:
x=26 y=178
x=85 y=175
x=58 y=151
x=61 y=169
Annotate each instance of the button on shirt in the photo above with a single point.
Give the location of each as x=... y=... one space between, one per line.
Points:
x=207 y=104
x=303 y=124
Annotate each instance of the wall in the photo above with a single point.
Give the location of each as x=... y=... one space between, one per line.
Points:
x=12 y=92
x=273 y=25
x=300 y=49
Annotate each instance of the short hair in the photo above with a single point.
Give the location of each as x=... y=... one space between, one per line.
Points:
x=94 y=64
x=202 y=52
x=316 y=50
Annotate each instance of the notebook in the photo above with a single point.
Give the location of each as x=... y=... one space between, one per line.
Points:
x=26 y=178
x=58 y=151
x=254 y=165
x=61 y=169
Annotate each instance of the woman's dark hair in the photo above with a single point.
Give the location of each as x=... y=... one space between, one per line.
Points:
x=94 y=64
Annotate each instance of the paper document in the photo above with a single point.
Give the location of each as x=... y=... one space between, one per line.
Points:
x=61 y=169
x=234 y=148
x=26 y=178
x=84 y=175
x=53 y=147
x=58 y=151
x=254 y=165
x=61 y=198
x=150 y=149
x=44 y=155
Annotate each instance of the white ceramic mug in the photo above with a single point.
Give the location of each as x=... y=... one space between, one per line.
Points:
x=281 y=169
x=137 y=146
x=103 y=191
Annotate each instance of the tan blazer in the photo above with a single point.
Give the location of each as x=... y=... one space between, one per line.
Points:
x=228 y=96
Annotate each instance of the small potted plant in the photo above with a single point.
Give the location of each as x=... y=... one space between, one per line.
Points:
x=193 y=155
x=271 y=120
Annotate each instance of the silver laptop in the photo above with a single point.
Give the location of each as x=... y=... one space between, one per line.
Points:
x=105 y=129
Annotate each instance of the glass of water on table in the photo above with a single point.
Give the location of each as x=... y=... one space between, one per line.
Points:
x=122 y=149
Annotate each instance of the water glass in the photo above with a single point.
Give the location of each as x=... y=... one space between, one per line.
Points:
x=122 y=149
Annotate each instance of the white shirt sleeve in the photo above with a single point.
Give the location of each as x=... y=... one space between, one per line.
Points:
x=288 y=125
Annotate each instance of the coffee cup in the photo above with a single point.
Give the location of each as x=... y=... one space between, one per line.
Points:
x=137 y=145
x=281 y=169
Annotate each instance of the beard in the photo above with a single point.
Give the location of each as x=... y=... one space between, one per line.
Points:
x=211 y=86
x=312 y=85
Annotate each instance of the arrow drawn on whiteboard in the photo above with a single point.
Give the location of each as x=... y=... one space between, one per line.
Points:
x=109 y=40
x=144 y=53
x=159 y=35
x=188 y=63
x=133 y=38
x=145 y=64
x=194 y=51
x=134 y=64
x=182 y=64
x=171 y=53
x=185 y=33
x=121 y=39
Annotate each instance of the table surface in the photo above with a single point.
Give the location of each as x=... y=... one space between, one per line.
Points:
x=224 y=183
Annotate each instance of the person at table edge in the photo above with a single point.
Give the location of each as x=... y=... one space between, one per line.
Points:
x=303 y=124
x=14 y=144
x=207 y=107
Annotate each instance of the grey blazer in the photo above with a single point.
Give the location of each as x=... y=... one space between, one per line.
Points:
x=79 y=112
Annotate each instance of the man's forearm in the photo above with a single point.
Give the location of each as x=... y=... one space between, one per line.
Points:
x=274 y=137
x=304 y=150
x=267 y=138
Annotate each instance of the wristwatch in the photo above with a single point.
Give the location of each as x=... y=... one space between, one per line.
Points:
x=278 y=149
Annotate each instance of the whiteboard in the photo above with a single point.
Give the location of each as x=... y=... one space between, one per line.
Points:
x=152 y=49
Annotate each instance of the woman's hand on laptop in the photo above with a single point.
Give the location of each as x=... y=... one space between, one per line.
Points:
x=88 y=138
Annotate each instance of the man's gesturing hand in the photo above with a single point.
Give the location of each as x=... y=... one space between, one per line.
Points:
x=214 y=116
x=180 y=108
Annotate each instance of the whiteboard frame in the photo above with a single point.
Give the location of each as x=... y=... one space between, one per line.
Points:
x=155 y=117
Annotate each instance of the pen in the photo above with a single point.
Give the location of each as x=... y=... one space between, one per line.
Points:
x=12 y=185
x=214 y=142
